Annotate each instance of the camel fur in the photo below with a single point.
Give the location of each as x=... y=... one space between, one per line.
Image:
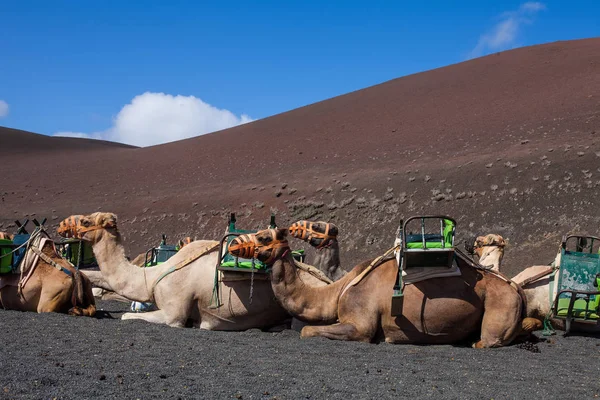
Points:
x=47 y=289
x=184 y=297
x=435 y=311
x=537 y=290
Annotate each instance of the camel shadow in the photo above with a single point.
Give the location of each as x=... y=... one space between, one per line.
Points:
x=105 y=314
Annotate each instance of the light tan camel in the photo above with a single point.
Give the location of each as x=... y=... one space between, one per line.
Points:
x=323 y=237
x=439 y=310
x=490 y=250
x=185 y=296
x=47 y=283
x=105 y=294
x=534 y=280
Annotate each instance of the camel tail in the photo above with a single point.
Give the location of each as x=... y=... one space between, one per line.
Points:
x=82 y=297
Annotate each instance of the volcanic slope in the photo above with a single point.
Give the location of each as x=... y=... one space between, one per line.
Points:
x=508 y=143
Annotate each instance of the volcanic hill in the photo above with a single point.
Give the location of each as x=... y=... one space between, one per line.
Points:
x=508 y=143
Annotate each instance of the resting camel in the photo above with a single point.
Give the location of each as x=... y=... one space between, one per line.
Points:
x=323 y=237
x=47 y=282
x=439 y=310
x=534 y=280
x=182 y=287
x=105 y=294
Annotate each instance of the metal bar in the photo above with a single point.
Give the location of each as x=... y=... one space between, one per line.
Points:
x=423 y=233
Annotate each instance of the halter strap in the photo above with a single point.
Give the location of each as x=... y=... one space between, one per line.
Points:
x=303 y=230
x=71 y=227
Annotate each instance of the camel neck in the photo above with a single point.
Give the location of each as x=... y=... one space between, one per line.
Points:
x=315 y=304
x=125 y=278
x=327 y=260
x=491 y=257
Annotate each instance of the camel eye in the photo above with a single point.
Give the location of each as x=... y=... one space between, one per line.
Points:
x=264 y=240
x=85 y=223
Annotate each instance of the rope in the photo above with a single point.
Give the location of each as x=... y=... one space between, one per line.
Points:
x=375 y=263
x=26 y=243
x=179 y=266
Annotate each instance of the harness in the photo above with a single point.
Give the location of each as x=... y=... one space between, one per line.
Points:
x=303 y=230
x=72 y=227
x=178 y=266
x=29 y=262
x=248 y=246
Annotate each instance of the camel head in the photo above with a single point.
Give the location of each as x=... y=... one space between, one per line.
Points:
x=267 y=246
x=318 y=234
x=88 y=227
x=489 y=248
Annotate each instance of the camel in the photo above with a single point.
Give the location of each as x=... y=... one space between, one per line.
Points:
x=47 y=282
x=323 y=237
x=182 y=287
x=139 y=260
x=535 y=282
x=358 y=306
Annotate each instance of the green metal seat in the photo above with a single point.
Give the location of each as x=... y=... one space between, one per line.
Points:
x=6 y=257
x=424 y=249
x=578 y=281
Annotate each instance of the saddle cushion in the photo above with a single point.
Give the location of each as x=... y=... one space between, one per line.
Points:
x=579 y=307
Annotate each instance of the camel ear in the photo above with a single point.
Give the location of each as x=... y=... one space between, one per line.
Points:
x=109 y=221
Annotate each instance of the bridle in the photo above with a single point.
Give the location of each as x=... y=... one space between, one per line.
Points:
x=72 y=227
x=303 y=230
x=248 y=246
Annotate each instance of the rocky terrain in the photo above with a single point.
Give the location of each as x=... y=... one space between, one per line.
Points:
x=508 y=143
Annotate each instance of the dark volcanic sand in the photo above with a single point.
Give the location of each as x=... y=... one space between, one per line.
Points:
x=45 y=356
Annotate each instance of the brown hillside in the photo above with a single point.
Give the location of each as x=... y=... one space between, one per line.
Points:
x=508 y=143
x=15 y=141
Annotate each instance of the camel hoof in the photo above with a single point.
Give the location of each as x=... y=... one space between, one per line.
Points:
x=307 y=331
x=529 y=325
x=77 y=311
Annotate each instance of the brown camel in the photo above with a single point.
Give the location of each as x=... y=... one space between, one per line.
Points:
x=323 y=237
x=182 y=287
x=439 y=310
x=47 y=282
x=534 y=280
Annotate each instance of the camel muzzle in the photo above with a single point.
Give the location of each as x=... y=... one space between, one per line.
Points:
x=248 y=246
x=304 y=230
x=69 y=227
x=244 y=246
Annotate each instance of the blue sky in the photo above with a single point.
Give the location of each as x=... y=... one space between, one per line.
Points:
x=153 y=71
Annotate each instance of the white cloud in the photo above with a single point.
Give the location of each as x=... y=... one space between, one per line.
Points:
x=3 y=109
x=76 y=135
x=504 y=34
x=154 y=118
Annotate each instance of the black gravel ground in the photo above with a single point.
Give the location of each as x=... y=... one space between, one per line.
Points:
x=52 y=356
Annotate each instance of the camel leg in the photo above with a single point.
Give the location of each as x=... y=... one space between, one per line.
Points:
x=158 y=317
x=97 y=279
x=501 y=324
x=53 y=302
x=340 y=331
